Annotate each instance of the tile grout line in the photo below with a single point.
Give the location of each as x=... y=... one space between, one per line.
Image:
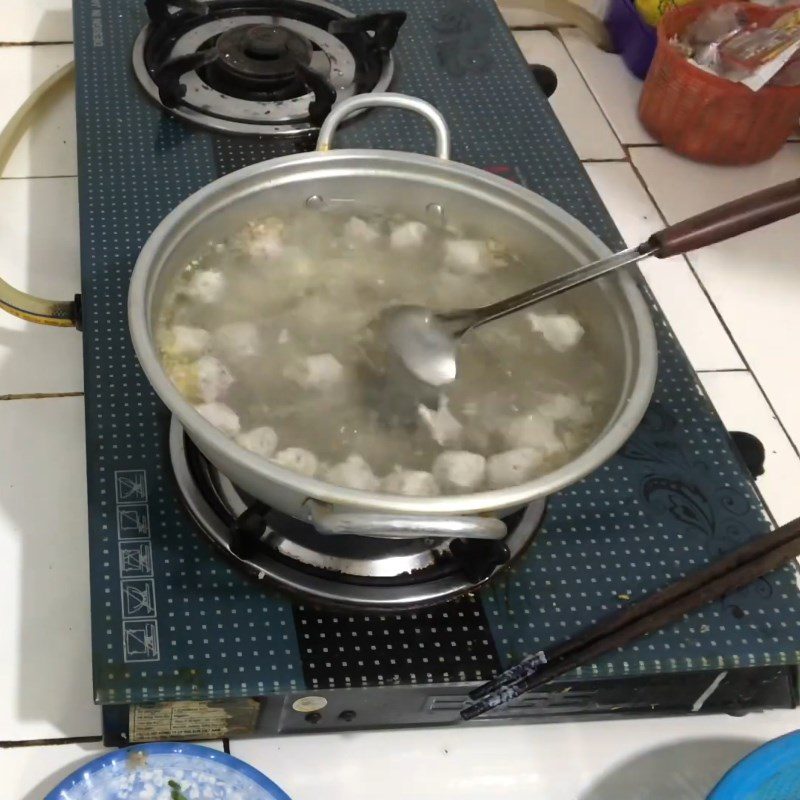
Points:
x=725 y=327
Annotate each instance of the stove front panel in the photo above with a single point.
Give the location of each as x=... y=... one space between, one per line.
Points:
x=171 y=619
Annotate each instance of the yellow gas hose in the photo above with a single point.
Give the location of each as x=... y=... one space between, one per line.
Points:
x=35 y=309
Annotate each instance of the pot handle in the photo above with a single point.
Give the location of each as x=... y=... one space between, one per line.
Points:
x=403 y=526
x=385 y=100
x=65 y=314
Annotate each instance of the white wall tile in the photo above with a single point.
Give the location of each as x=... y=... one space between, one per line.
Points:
x=37 y=21
x=572 y=102
x=743 y=407
x=753 y=280
x=39 y=232
x=49 y=147
x=692 y=317
x=615 y=88
x=46 y=665
x=656 y=759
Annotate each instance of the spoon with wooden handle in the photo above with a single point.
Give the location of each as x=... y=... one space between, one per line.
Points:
x=422 y=345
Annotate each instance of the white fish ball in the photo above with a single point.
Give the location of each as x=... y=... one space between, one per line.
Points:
x=263 y=441
x=205 y=286
x=414 y=483
x=222 y=417
x=513 y=467
x=459 y=470
x=561 y=331
x=408 y=235
x=298 y=460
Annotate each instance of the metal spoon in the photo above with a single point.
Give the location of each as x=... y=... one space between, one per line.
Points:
x=422 y=345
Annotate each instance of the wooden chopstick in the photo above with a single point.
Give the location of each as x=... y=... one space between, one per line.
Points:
x=731 y=572
x=654 y=601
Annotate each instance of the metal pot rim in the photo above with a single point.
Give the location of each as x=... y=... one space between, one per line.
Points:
x=590 y=459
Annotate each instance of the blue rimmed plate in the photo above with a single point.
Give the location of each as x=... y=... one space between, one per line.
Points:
x=167 y=771
x=770 y=773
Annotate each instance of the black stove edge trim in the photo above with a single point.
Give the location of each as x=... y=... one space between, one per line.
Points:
x=743 y=691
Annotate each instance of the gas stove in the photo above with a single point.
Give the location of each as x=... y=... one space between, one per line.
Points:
x=215 y=616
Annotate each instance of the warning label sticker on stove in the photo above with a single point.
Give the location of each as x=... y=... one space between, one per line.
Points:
x=140 y=640
x=133 y=521
x=192 y=719
x=131 y=485
x=136 y=568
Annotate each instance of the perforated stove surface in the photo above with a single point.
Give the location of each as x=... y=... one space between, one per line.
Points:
x=172 y=619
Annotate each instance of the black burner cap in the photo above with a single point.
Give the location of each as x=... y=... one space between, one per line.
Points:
x=262 y=52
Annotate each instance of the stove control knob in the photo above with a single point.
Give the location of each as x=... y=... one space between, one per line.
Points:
x=314 y=717
x=347 y=716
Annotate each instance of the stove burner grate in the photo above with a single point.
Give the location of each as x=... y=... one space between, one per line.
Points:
x=261 y=66
x=338 y=571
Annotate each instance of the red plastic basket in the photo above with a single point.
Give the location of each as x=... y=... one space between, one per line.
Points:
x=708 y=118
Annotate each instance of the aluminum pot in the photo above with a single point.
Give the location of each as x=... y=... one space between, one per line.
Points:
x=420 y=186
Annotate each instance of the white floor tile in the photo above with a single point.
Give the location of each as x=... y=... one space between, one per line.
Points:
x=616 y=89
x=37 y=21
x=753 y=280
x=49 y=147
x=46 y=665
x=572 y=102
x=659 y=759
x=692 y=317
x=30 y=772
x=743 y=407
x=39 y=232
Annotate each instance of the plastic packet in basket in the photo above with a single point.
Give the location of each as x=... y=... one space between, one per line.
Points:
x=754 y=57
x=702 y=39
